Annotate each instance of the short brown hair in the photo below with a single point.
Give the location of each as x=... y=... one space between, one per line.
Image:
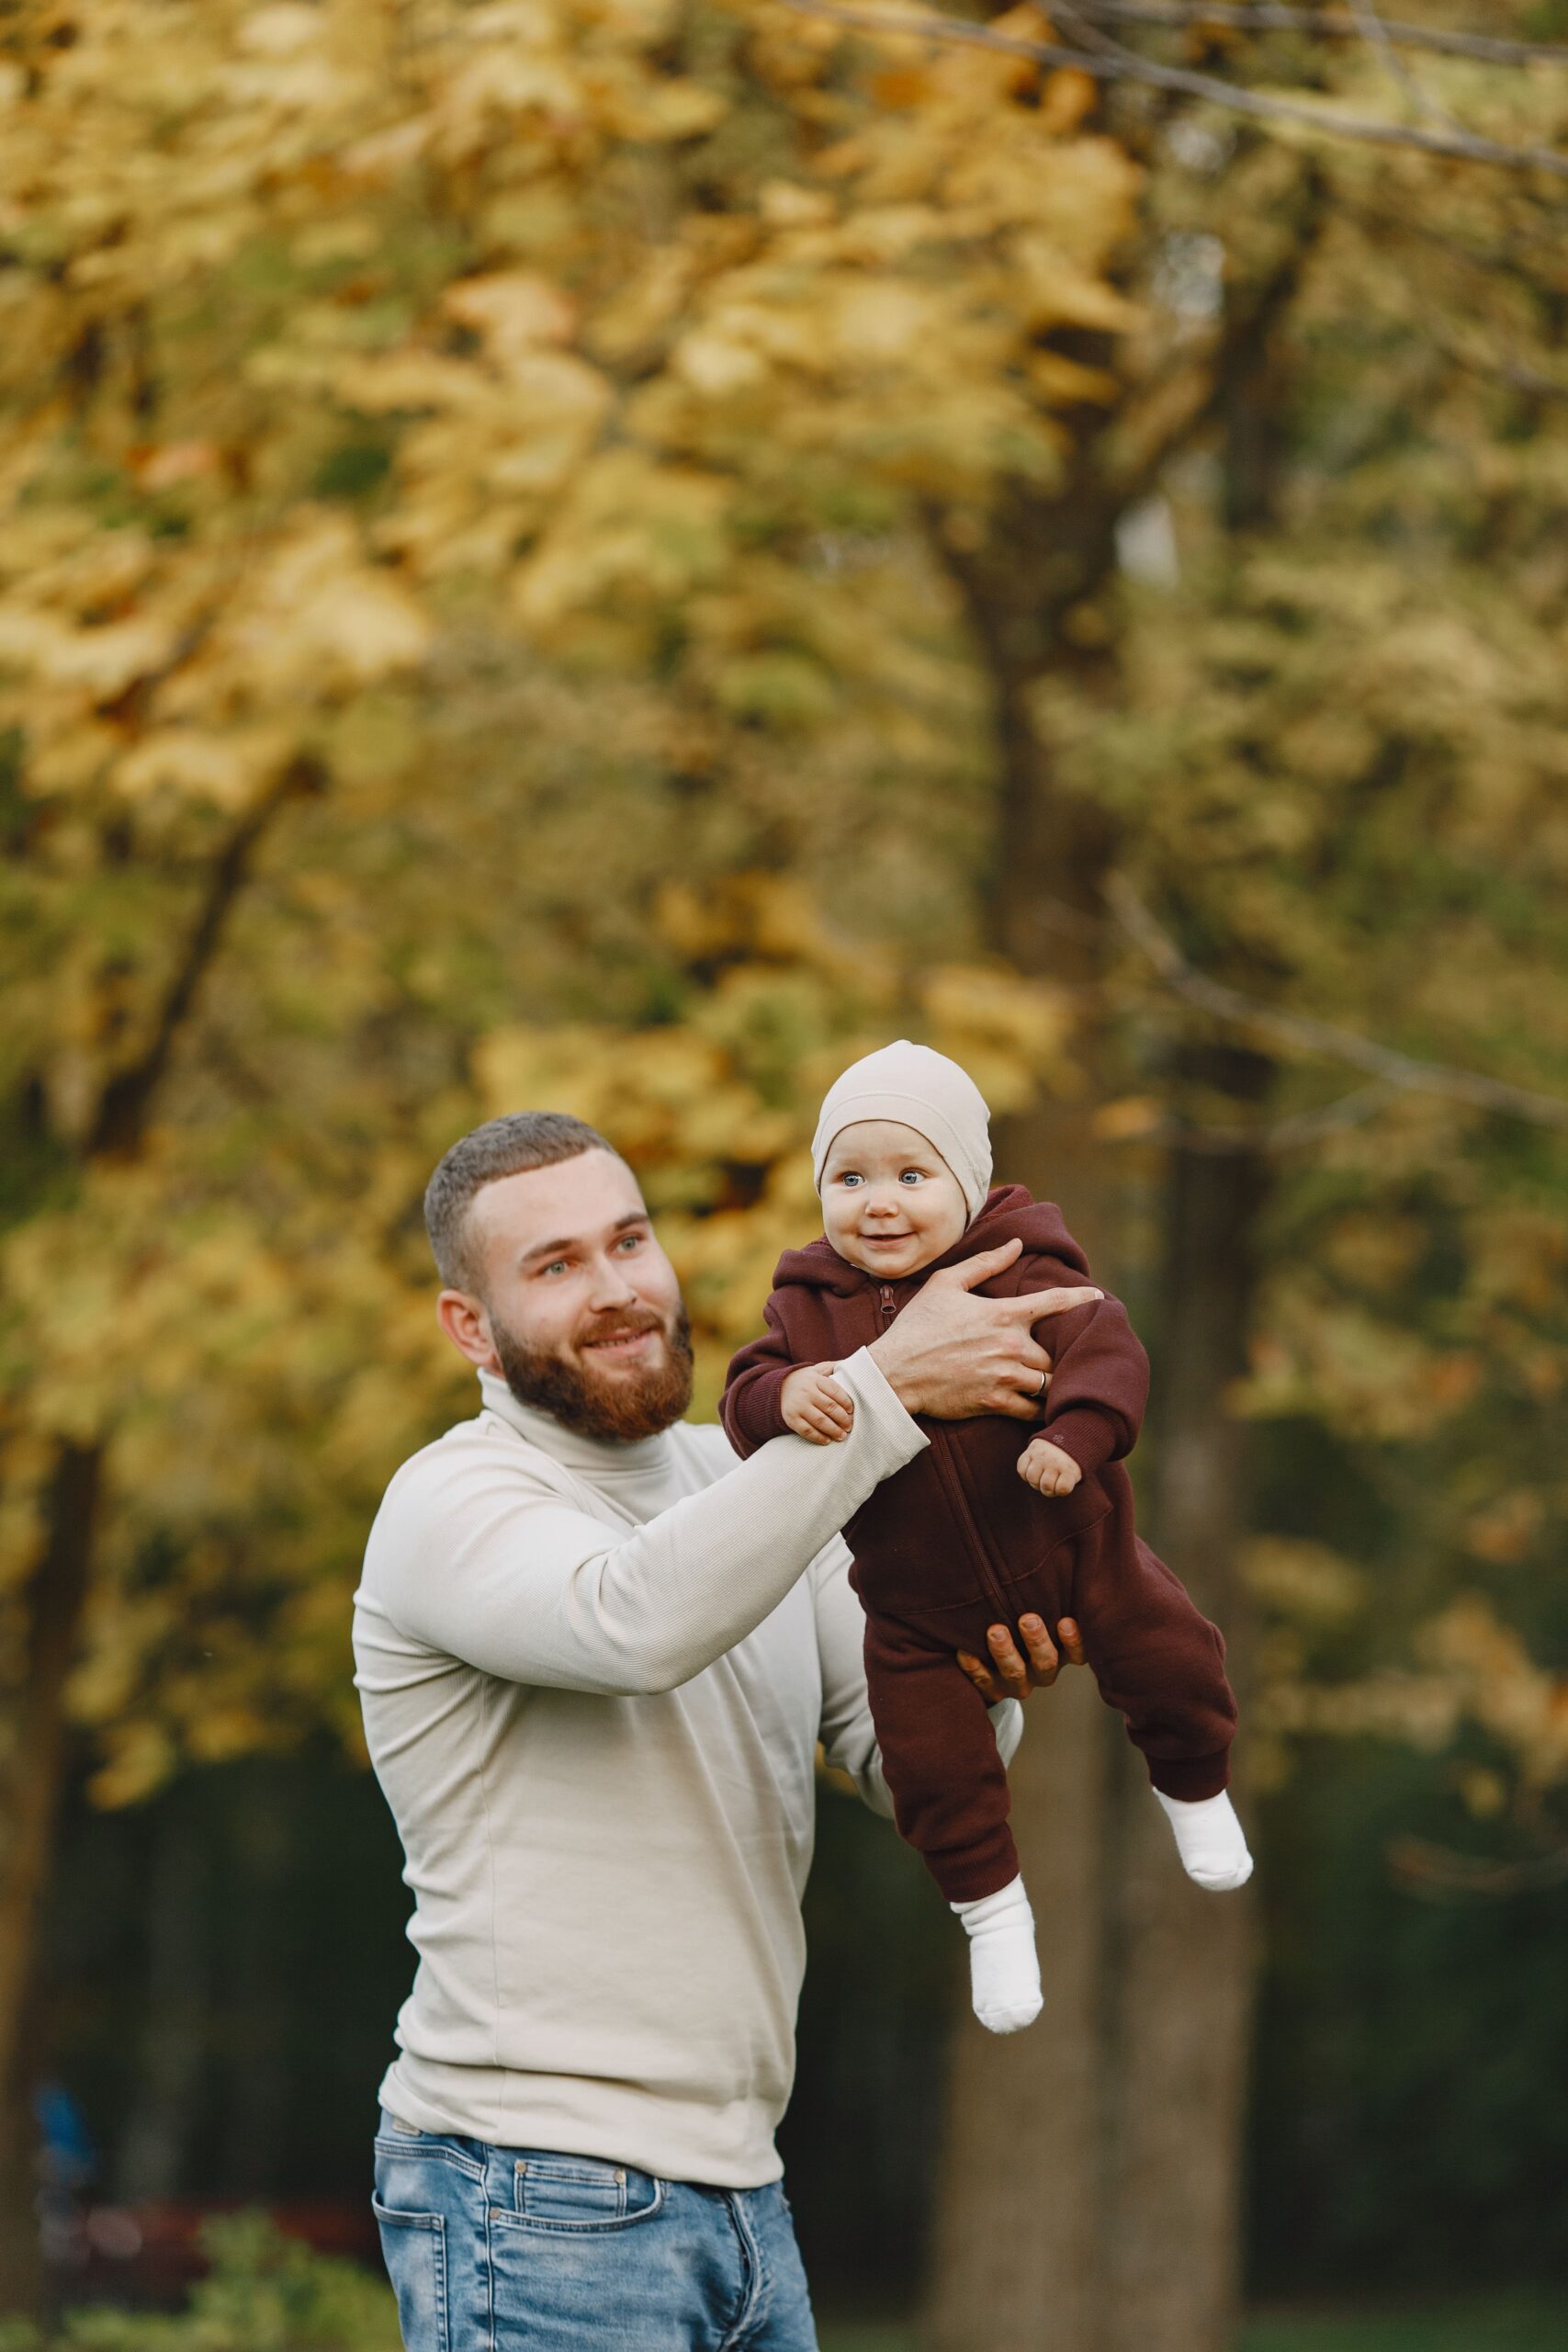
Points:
x=505 y=1146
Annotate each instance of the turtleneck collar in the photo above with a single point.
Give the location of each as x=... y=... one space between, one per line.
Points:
x=593 y=1457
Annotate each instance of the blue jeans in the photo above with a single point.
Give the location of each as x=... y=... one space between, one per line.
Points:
x=521 y=2250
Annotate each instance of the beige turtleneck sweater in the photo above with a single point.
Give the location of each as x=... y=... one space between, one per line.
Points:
x=593 y=1678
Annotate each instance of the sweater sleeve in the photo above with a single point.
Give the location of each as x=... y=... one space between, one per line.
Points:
x=1100 y=1374
x=750 y=1408
x=474 y=1561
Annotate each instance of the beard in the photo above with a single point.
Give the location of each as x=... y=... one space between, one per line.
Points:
x=617 y=1405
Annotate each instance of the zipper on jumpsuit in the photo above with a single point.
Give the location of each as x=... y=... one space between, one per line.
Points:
x=955 y=1501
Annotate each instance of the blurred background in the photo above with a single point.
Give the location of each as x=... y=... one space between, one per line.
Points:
x=612 y=554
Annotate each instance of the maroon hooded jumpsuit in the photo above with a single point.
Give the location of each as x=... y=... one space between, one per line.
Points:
x=957 y=1541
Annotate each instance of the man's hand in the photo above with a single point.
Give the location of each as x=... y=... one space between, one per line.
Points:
x=815 y=1406
x=956 y=1356
x=1047 y=1468
x=1007 y=1675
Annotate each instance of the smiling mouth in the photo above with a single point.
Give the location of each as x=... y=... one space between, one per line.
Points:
x=622 y=1343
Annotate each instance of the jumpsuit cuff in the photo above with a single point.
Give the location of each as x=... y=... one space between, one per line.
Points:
x=753 y=1413
x=1088 y=1436
x=1191 y=1778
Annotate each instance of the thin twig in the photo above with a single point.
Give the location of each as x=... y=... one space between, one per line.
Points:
x=1432 y=1870
x=1115 y=64
x=1518 y=373
x=1332 y=23
x=1269 y=1137
x=1384 y=1063
x=1376 y=35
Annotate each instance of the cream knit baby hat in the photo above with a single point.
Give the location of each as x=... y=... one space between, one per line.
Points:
x=920 y=1089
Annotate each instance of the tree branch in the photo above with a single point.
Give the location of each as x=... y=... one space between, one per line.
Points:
x=1269 y=1137
x=1377 y=36
x=1385 y=1064
x=123 y=1106
x=1107 y=60
x=1331 y=24
x=1425 y=1868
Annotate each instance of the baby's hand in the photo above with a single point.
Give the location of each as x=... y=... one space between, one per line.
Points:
x=1048 y=1468
x=815 y=1406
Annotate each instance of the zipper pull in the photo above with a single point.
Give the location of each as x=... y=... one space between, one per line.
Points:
x=889 y=1304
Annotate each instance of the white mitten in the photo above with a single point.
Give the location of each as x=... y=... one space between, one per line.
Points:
x=1210 y=1839
x=1004 y=1974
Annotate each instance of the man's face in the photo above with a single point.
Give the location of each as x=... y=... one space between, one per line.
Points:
x=581 y=1305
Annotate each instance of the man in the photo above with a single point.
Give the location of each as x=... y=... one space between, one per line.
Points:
x=595 y=1656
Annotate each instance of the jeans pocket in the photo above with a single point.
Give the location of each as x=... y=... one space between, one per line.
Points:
x=579 y=2193
x=413 y=2246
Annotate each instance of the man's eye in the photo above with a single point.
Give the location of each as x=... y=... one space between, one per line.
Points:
x=631 y=1241
x=555 y=1266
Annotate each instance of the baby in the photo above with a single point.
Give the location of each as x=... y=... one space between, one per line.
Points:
x=975 y=1531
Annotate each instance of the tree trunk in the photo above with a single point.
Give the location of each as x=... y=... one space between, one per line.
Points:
x=57 y=1596
x=1183 y=1990
x=161 y=2125
x=1016 y=2249
x=56 y=1599
x=1016 y=2252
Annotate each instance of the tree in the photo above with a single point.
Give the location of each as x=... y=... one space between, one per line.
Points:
x=348 y=431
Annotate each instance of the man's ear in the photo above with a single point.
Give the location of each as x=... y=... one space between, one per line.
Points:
x=466 y=1323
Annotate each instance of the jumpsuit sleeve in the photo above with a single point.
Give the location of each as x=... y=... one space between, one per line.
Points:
x=751 y=1407
x=1099 y=1376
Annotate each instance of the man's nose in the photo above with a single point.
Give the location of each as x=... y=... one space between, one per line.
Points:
x=610 y=1286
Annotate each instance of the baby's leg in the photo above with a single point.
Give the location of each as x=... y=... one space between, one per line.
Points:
x=1159 y=1661
x=949 y=1798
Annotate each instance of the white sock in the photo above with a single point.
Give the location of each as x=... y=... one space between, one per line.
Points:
x=1004 y=1974
x=1210 y=1839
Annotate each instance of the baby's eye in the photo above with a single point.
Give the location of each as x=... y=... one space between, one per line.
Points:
x=912 y=1176
x=848 y=1177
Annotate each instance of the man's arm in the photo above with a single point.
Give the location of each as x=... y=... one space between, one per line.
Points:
x=952 y=1356
x=476 y=1562
x=849 y=1735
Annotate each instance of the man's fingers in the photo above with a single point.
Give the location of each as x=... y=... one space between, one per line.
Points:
x=1072 y=1641
x=981 y=1677
x=1008 y=1664
x=1037 y=1303
x=980 y=1268
x=1041 y=1649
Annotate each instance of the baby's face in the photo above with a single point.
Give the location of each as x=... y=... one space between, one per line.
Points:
x=890 y=1202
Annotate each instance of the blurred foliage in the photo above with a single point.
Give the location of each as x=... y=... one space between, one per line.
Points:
x=1337 y=761
x=481 y=497
x=264 y=2292
x=398 y=580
